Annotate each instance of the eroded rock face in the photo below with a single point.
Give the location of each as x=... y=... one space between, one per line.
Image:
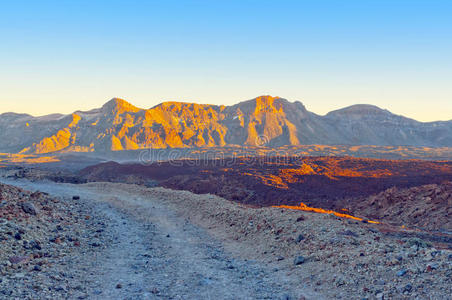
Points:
x=263 y=121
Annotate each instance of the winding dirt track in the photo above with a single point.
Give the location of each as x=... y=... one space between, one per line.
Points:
x=152 y=253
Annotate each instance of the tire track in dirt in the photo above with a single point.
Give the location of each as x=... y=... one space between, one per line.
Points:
x=149 y=252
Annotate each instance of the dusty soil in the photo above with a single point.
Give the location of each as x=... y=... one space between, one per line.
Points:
x=130 y=248
x=359 y=260
x=159 y=243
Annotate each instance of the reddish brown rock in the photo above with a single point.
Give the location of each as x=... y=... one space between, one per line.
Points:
x=19 y=259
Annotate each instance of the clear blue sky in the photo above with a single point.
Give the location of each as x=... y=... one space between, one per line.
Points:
x=59 y=56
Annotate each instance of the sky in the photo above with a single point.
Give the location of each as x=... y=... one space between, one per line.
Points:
x=62 y=56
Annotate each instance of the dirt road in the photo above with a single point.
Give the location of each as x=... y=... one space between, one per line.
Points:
x=149 y=252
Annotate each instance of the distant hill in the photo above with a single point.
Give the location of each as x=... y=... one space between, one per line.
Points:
x=263 y=121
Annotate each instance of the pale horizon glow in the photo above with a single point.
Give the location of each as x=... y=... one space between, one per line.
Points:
x=59 y=57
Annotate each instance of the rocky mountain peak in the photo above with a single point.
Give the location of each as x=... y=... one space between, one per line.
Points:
x=359 y=110
x=263 y=121
x=118 y=105
x=262 y=104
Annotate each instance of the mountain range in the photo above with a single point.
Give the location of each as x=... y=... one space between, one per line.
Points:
x=263 y=121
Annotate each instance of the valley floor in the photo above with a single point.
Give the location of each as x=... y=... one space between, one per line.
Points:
x=154 y=243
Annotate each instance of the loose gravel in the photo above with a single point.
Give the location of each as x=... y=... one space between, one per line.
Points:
x=106 y=244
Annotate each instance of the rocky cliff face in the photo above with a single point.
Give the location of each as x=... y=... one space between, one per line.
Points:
x=263 y=121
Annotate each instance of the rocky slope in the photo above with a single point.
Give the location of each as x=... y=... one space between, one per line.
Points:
x=427 y=206
x=43 y=240
x=263 y=121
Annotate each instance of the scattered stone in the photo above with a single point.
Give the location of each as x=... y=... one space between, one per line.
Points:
x=407 y=288
x=300 y=218
x=56 y=240
x=18 y=259
x=349 y=233
x=401 y=272
x=29 y=208
x=299 y=260
x=418 y=243
x=37 y=268
x=119 y=286
x=34 y=245
x=431 y=267
x=299 y=238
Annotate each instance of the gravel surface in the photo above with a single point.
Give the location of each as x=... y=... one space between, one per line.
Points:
x=122 y=241
x=130 y=247
x=335 y=257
